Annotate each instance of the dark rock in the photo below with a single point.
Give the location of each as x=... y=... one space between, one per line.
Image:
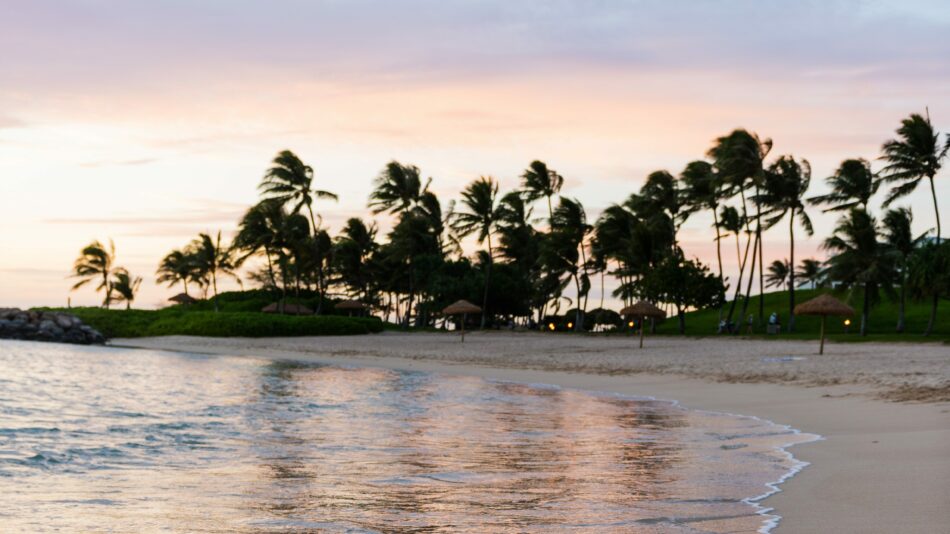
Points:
x=46 y=326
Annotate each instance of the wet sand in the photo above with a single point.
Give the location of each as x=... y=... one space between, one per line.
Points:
x=883 y=409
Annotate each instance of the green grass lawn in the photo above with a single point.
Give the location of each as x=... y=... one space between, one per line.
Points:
x=881 y=325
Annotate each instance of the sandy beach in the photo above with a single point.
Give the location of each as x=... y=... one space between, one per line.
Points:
x=883 y=409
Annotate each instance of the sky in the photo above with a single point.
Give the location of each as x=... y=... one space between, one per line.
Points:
x=149 y=122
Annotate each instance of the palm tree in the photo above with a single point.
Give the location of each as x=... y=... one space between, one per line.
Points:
x=260 y=232
x=479 y=217
x=860 y=259
x=703 y=191
x=928 y=275
x=95 y=261
x=661 y=193
x=739 y=158
x=212 y=259
x=126 y=286
x=566 y=250
x=290 y=181
x=539 y=181
x=731 y=221
x=352 y=255
x=810 y=271
x=397 y=188
x=898 y=235
x=779 y=273
x=177 y=266
x=916 y=154
x=786 y=182
x=852 y=186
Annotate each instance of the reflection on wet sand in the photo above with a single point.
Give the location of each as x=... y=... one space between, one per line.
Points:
x=98 y=439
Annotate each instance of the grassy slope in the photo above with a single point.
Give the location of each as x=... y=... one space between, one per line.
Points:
x=882 y=323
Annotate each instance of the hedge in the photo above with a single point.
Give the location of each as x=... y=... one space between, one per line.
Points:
x=169 y=322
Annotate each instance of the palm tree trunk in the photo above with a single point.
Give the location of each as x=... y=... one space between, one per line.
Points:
x=719 y=256
x=761 y=275
x=487 y=282
x=791 y=273
x=936 y=297
x=738 y=292
x=865 y=310
x=214 y=285
x=748 y=290
x=902 y=305
x=184 y=282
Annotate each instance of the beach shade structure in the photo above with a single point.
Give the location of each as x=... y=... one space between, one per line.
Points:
x=289 y=309
x=182 y=298
x=824 y=305
x=643 y=309
x=463 y=308
x=350 y=306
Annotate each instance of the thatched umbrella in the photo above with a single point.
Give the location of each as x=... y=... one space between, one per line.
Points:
x=643 y=309
x=463 y=307
x=823 y=305
x=289 y=309
x=182 y=298
x=350 y=306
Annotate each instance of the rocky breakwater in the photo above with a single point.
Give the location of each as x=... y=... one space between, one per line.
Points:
x=35 y=325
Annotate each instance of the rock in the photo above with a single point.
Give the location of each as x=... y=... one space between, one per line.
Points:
x=46 y=326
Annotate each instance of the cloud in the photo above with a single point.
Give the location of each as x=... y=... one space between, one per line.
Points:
x=127 y=162
x=11 y=122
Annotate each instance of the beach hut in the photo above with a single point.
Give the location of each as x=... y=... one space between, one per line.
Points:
x=182 y=298
x=824 y=305
x=643 y=309
x=289 y=309
x=350 y=306
x=464 y=308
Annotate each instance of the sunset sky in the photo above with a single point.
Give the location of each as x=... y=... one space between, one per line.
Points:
x=149 y=122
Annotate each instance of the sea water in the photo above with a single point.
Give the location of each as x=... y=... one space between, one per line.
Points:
x=105 y=439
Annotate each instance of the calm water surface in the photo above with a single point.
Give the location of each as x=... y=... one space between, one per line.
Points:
x=99 y=439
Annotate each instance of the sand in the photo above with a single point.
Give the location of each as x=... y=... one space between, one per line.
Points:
x=883 y=409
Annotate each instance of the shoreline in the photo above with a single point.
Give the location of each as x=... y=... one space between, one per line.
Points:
x=881 y=466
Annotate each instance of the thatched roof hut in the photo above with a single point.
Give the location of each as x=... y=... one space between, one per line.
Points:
x=464 y=308
x=823 y=305
x=183 y=298
x=643 y=309
x=288 y=309
x=350 y=305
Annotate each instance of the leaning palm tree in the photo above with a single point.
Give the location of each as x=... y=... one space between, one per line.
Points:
x=731 y=221
x=211 y=259
x=810 y=272
x=898 y=235
x=290 y=181
x=126 y=286
x=786 y=182
x=539 y=181
x=860 y=259
x=779 y=273
x=916 y=154
x=95 y=262
x=852 y=186
x=479 y=216
x=177 y=266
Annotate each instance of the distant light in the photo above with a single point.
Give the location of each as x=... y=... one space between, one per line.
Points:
x=570 y=325
x=551 y=326
x=847 y=322
x=630 y=324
